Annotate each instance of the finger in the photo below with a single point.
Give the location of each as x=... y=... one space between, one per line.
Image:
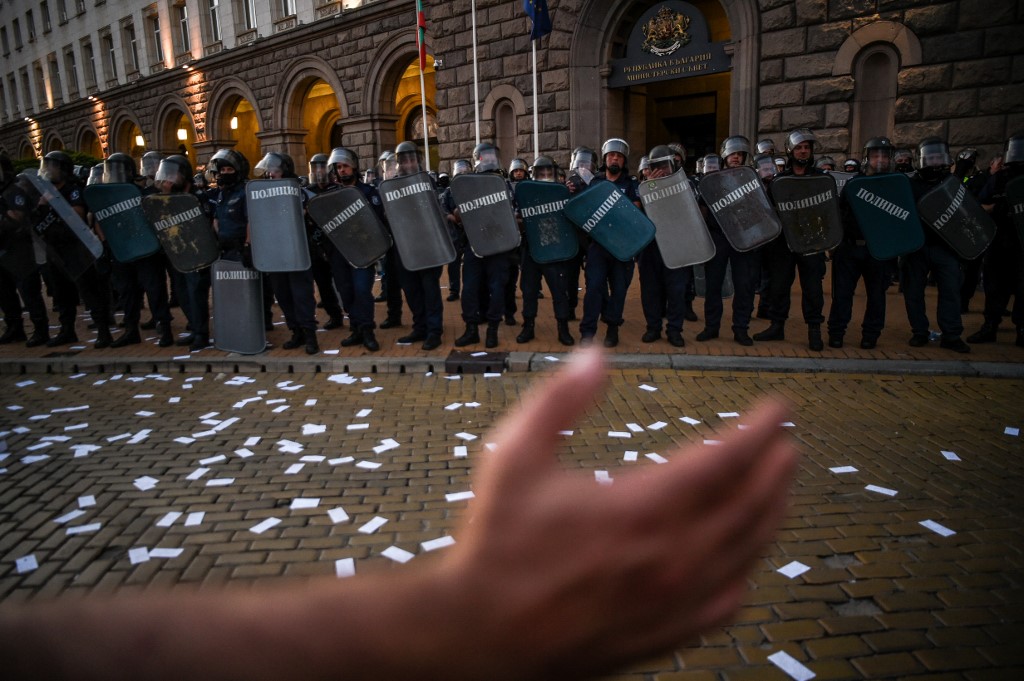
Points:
x=526 y=440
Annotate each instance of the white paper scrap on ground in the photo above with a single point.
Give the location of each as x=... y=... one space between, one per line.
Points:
x=34 y=459
x=843 y=469
x=398 y=555
x=619 y=433
x=656 y=458
x=630 y=455
x=313 y=429
x=337 y=515
x=648 y=388
x=468 y=437
x=220 y=482
x=145 y=414
x=551 y=358
x=881 y=490
x=375 y=389
x=453 y=406
x=461 y=451
x=139 y=554
x=1010 y=430
x=312 y=458
x=478 y=354
x=194 y=518
x=357 y=426
x=950 y=456
x=373 y=525
x=77 y=426
x=454 y=377
x=345 y=567
x=791 y=666
x=165 y=553
x=728 y=415
x=212 y=459
x=26 y=564
x=363 y=413
x=936 y=527
x=459 y=496
x=243 y=452
x=566 y=433
x=197 y=473
x=368 y=465
x=69 y=516
x=264 y=525
x=788 y=424
x=84 y=450
x=341 y=460
x=252 y=441
x=184 y=440
x=86 y=501
x=794 y=569
x=690 y=421
x=712 y=442
x=635 y=427
x=304 y=502
x=492 y=374
x=168 y=519
x=311 y=402
x=657 y=425
x=145 y=483
x=282 y=408
x=294 y=468
x=82 y=529
x=385 y=445
x=603 y=478
x=439 y=543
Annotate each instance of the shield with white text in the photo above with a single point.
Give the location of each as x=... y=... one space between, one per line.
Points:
x=958 y=218
x=417 y=223
x=485 y=208
x=277 y=225
x=118 y=209
x=352 y=225
x=237 y=308
x=809 y=209
x=610 y=218
x=740 y=204
x=183 y=230
x=886 y=213
x=550 y=236
x=681 y=233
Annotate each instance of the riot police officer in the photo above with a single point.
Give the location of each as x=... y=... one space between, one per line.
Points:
x=903 y=161
x=934 y=257
x=455 y=231
x=19 y=273
x=607 y=277
x=317 y=183
x=782 y=264
x=390 y=269
x=518 y=170
x=354 y=283
x=582 y=170
x=662 y=290
x=851 y=261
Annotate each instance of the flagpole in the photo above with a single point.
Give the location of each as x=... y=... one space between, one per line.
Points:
x=476 y=77
x=426 y=132
x=420 y=51
x=536 y=117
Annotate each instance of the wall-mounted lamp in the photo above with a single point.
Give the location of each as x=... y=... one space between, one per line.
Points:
x=438 y=63
x=182 y=134
x=139 y=142
x=234 y=123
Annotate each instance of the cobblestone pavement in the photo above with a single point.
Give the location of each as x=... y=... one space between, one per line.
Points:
x=884 y=597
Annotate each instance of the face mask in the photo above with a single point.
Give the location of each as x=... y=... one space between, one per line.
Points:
x=347 y=179
x=227 y=179
x=614 y=169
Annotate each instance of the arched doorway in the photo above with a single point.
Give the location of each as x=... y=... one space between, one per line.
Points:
x=409 y=108
x=127 y=138
x=178 y=135
x=89 y=143
x=315 y=111
x=242 y=126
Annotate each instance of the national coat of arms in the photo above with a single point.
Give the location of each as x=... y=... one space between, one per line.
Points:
x=666 y=32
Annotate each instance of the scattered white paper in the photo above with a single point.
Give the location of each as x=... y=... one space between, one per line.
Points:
x=345 y=567
x=656 y=458
x=630 y=455
x=657 y=425
x=184 y=440
x=264 y=525
x=950 y=456
x=363 y=413
x=788 y=424
x=337 y=515
x=936 y=527
x=453 y=406
x=386 y=445
x=843 y=469
x=311 y=402
x=212 y=459
x=635 y=427
x=168 y=519
x=145 y=396
x=145 y=483
x=84 y=450
x=86 y=501
x=368 y=465
x=313 y=429
x=312 y=458
x=881 y=490
x=243 y=453
x=373 y=525
x=145 y=414
x=492 y=374
x=619 y=433
x=648 y=388
x=197 y=473
x=791 y=666
x=478 y=354
x=220 y=482
x=77 y=426
x=35 y=458
x=459 y=496
x=728 y=415
x=165 y=553
x=194 y=518
x=139 y=554
x=252 y=441
x=468 y=437
x=68 y=517
x=26 y=564
x=357 y=426
x=566 y=433
x=304 y=502
x=603 y=478
x=83 y=529
x=439 y=543
x=398 y=555
x=461 y=451
x=340 y=460
x=375 y=389
x=794 y=569
x=294 y=468
x=551 y=358
x=1009 y=430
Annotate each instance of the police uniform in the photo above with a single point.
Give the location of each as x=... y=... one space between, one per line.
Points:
x=21 y=277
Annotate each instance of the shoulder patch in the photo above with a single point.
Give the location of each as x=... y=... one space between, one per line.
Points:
x=375 y=200
x=75 y=194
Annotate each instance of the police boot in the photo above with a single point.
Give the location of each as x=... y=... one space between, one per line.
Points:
x=369 y=339
x=295 y=341
x=526 y=335
x=335 y=322
x=492 y=335
x=471 y=336
x=814 y=337
x=40 y=333
x=689 y=314
x=103 y=337
x=775 y=331
x=64 y=337
x=166 y=337
x=129 y=337
x=391 y=322
x=986 y=334
x=835 y=340
x=611 y=337
x=312 y=347
x=564 y=337
x=15 y=332
x=148 y=325
x=354 y=338
x=199 y=341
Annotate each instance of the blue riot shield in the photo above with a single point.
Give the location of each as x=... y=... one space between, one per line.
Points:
x=551 y=237
x=886 y=213
x=611 y=219
x=118 y=209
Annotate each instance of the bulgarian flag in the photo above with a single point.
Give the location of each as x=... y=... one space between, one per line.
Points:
x=421 y=22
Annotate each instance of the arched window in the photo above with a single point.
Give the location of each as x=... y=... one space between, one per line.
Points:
x=505 y=131
x=874 y=101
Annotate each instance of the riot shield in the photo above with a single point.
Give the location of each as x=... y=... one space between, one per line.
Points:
x=884 y=208
x=277 y=225
x=958 y=218
x=700 y=281
x=118 y=209
x=65 y=212
x=737 y=199
x=681 y=234
x=237 y=308
x=183 y=230
x=841 y=179
x=487 y=214
x=351 y=224
x=417 y=223
x=611 y=219
x=1015 y=202
x=550 y=236
x=809 y=209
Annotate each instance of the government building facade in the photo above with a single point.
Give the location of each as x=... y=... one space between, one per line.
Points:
x=303 y=76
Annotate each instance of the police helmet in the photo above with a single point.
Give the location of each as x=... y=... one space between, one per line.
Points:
x=517 y=164
x=461 y=167
x=408 y=158
x=543 y=168
x=485 y=158
x=700 y=166
x=780 y=163
x=799 y=136
x=339 y=155
x=645 y=164
x=199 y=181
x=444 y=180
x=1014 y=150
x=825 y=163
x=851 y=165
x=615 y=145
x=388 y=165
x=95 y=175
x=175 y=169
x=663 y=158
x=232 y=158
x=272 y=162
x=965 y=162
x=150 y=163
x=736 y=144
x=680 y=151
x=81 y=173
x=876 y=144
x=765 y=146
x=119 y=168
x=318 y=168
x=903 y=160
x=56 y=167
x=712 y=163
x=583 y=157
x=765 y=166
x=933 y=152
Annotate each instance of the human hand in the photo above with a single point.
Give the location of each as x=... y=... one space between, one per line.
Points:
x=569 y=578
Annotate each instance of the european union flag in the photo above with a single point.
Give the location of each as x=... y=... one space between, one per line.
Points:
x=537 y=10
